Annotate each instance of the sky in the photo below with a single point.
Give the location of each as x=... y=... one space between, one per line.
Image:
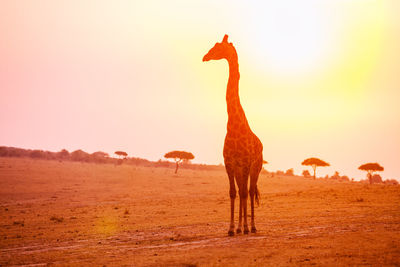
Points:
x=318 y=78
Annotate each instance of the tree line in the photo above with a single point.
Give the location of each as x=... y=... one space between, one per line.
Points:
x=99 y=157
x=181 y=159
x=370 y=168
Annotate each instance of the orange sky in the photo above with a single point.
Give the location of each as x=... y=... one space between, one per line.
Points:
x=318 y=78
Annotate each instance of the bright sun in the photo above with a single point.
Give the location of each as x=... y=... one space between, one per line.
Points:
x=291 y=37
x=299 y=38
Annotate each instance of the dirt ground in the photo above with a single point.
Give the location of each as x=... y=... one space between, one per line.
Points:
x=71 y=213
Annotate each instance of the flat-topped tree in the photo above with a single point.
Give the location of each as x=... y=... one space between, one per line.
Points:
x=314 y=163
x=121 y=154
x=179 y=156
x=371 y=168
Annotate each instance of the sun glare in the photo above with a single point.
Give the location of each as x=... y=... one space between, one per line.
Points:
x=291 y=38
x=308 y=39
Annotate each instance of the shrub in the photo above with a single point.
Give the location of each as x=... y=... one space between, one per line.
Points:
x=306 y=173
x=289 y=172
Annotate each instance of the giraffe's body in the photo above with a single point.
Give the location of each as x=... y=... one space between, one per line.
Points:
x=242 y=148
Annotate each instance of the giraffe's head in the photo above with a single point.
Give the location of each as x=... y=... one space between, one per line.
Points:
x=221 y=50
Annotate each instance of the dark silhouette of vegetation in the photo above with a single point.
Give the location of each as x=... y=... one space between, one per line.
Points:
x=179 y=156
x=370 y=168
x=80 y=155
x=391 y=182
x=306 y=173
x=121 y=154
x=100 y=156
x=289 y=172
x=103 y=158
x=376 y=179
x=63 y=154
x=97 y=157
x=339 y=178
x=314 y=163
x=37 y=154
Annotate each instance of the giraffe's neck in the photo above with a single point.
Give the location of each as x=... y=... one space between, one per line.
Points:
x=236 y=117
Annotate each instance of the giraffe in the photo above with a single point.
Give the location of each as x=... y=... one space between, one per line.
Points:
x=242 y=149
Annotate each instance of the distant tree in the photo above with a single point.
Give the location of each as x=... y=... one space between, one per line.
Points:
x=49 y=155
x=391 y=182
x=121 y=154
x=79 y=155
x=314 y=163
x=3 y=151
x=370 y=168
x=36 y=154
x=376 y=179
x=336 y=176
x=63 y=154
x=179 y=156
x=99 y=156
x=345 y=178
x=290 y=172
x=306 y=173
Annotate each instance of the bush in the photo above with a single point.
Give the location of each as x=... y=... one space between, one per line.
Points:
x=391 y=182
x=289 y=172
x=99 y=157
x=36 y=154
x=79 y=155
x=376 y=179
x=63 y=154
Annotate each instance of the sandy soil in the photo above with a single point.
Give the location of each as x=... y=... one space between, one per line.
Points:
x=69 y=213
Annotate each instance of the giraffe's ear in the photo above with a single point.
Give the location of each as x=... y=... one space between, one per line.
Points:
x=225 y=40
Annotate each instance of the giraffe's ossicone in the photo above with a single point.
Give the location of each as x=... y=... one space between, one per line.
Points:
x=242 y=148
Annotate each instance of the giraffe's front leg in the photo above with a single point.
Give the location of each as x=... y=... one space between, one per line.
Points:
x=245 y=226
x=253 y=225
x=245 y=193
x=239 y=228
x=232 y=194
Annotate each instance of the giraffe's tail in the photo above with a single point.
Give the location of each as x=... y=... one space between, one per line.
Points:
x=257 y=196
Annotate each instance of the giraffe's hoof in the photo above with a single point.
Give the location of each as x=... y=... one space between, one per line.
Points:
x=246 y=231
x=253 y=230
x=231 y=233
x=238 y=231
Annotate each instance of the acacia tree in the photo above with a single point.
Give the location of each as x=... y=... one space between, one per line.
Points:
x=121 y=154
x=179 y=156
x=314 y=163
x=370 y=168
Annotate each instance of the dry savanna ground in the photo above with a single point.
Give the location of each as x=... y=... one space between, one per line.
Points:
x=70 y=213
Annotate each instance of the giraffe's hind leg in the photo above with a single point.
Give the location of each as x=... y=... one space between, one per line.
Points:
x=239 y=228
x=254 y=173
x=232 y=195
x=244 y=192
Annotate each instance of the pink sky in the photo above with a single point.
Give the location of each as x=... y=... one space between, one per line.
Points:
x=317 y=79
